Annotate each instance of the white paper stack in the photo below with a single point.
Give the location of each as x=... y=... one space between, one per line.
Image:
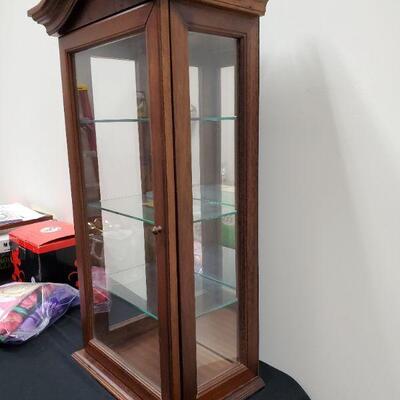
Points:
x=12 y=213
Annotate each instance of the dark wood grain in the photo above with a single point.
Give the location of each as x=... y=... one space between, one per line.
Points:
x=115 y=27
x=118 y=389
x=89 y=11
x=124 y=371
x=52 y=14
x=206 y=19
x=209 y=364
x=129 y=23
x=123 y=331
x=63 y=16
x=184 y=201
x=78 y=195
x=256 y=7
x=248 y=193
x=158 y=51
x=141 y=351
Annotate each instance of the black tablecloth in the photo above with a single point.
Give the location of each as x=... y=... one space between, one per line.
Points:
x=43 y=369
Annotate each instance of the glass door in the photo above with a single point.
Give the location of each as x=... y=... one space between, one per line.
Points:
x=112 y=96
x=215 y=85
x=213 y=93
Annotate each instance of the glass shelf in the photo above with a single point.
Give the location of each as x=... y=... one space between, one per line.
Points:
x=214 y=118
x=85 y=121
x=130 y=285
x=212 y=295
x=223 y=194
x=141 y=208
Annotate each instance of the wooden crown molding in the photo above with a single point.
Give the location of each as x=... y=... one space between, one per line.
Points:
x=52 y=14
x=256 y=7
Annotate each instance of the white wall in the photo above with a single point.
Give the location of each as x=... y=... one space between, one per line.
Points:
x=33 y=153
x=329 y=181
x=330 y=196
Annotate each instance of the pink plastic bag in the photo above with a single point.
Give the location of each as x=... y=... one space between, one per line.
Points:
x=27 y=309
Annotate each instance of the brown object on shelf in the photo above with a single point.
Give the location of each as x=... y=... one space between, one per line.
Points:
x=172 y=194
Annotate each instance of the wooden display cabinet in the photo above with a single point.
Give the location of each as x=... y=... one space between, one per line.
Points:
x=161 y=108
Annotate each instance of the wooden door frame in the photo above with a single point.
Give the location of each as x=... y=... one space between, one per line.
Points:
x=188 y=16
x=153 y=20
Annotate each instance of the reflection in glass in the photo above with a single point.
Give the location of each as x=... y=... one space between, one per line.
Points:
x=213 y=106
x=115 y=138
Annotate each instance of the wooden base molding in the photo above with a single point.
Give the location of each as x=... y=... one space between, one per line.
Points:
x=104 y=377
x=244 y=392
x=122 y=392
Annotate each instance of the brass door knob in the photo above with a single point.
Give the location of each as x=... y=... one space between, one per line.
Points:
x=157 y=229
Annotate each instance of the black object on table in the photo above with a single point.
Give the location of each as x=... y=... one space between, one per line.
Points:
x=44 y=369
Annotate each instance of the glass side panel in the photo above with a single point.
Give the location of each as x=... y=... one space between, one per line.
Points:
x=213 y=98
x=115 y=140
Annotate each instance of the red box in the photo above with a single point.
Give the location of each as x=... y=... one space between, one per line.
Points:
x=45 y=252
x=5 y=261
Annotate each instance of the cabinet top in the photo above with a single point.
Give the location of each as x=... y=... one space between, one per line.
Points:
x=62 y=16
